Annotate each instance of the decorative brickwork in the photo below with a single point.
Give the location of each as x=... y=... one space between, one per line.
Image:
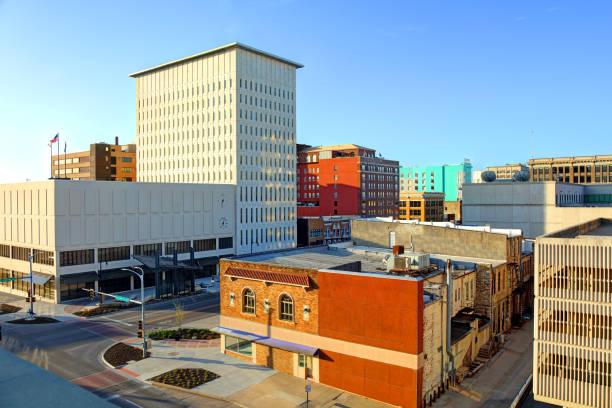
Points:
x=280 y=360
x=272 y=291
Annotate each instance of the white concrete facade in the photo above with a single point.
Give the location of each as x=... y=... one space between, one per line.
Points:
x=64 y=216
x=536 y=208
x=225 y=116
x=572 y=350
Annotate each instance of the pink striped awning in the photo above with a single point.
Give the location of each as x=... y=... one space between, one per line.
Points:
x=264 y=276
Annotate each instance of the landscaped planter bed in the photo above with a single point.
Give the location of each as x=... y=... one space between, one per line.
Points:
x=199 y=334
x=36 y=320
x=97 y=311
x=121 y=353
x=6 y=309
x=185 y=377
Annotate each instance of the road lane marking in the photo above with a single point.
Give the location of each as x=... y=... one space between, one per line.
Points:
x=116 y=321
x=166 y=317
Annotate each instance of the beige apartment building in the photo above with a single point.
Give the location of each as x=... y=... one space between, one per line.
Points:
x=507 y=171
x=581 y=170
x=572 y=359
x=225 y=116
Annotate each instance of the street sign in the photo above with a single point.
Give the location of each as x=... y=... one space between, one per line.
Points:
x=122 y=299
x=308 y=388
x=9 y=279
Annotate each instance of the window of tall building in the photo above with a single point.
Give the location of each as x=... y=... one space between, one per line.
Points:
x=113 y=254
x=79 y=257
x=148 y=249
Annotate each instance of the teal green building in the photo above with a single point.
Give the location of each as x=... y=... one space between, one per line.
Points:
x=447 y=179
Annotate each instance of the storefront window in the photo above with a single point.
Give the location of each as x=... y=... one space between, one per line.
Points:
x=239 y=346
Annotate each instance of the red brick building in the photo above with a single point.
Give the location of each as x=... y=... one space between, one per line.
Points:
x=347 y=317
x=358 y=333
x=346 y=180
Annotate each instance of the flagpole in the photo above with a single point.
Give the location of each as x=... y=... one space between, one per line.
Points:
x=51 y=152
x=65 y=176
x=58 y=159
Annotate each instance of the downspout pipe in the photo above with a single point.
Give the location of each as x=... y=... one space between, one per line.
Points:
x=449 y=311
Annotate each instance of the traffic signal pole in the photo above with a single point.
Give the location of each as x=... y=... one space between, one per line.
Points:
x=142 y=305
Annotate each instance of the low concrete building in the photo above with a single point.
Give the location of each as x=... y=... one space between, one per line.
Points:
x=452 y=211
x=84 y=232
x=536 y=208
x=361 y=319
x=572 y=350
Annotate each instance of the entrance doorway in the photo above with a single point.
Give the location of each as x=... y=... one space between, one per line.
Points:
x=304 y=366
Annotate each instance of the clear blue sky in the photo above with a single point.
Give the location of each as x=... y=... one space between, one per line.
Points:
x=424 y=83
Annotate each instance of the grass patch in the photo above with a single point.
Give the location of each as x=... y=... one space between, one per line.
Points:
x=36 y=320
x=6 y=309
x=186 y=377
x=199 y=334
x=121 y=353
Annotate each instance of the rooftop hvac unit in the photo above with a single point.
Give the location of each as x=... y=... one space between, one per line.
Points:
x=409 y=261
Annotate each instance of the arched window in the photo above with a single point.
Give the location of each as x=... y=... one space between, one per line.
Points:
x=248 y=301
x=286 y=308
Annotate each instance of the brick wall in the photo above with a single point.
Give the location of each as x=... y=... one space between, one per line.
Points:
x=277 y=359
x=432 y=340
x=482 y=303
x=301 y=296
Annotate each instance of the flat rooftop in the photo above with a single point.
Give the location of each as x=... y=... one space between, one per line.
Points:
x=344 y=256
x=218 y=50
x=604 y=230
x=597 y=228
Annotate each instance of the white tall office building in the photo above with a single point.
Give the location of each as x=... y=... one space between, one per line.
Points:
x=225 y=116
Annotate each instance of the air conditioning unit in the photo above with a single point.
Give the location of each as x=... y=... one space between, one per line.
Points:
x=409 y=261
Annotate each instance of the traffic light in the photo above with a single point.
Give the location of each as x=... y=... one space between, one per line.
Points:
x=140 y=329
x=91 y=294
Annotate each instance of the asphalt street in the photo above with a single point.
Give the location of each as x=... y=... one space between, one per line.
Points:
x=73 y=349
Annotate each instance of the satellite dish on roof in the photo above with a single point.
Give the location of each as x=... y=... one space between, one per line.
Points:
x=521 y=176
x=488 y=176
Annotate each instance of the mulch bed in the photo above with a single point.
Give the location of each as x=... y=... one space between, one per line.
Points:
x=36 y=320
x=97 y=311
x=186 y=377
x=199 y=334
x=6 y=309
x=121 y=353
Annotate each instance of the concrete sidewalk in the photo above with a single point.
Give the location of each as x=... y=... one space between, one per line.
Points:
x=499 y=382
x=241 y=382
x=236 y=374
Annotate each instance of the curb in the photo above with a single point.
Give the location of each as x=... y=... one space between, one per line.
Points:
x=198 y=393
x=521 y=394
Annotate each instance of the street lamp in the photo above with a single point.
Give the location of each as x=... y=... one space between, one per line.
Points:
x=31 y=314
x=142 y=305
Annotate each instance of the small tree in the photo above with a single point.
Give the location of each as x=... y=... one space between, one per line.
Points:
x=179 y=313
